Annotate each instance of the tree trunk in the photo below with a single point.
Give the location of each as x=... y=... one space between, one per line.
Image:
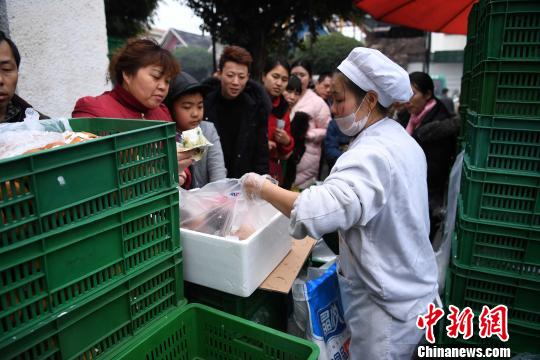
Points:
x=259 y=52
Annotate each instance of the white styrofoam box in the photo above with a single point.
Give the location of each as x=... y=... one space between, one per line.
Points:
x=233 y=266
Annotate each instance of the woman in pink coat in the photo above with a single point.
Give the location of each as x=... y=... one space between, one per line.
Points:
x=310 y=103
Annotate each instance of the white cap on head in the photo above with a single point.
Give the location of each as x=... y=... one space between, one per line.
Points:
x=370 y=70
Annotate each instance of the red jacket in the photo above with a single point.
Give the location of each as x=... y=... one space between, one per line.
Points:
x=279 y=111
x=120 y=104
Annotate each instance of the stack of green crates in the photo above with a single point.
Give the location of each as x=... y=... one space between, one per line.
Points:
x=496 y=256
x=91 y=260
x=89 y=241
x=467 y=70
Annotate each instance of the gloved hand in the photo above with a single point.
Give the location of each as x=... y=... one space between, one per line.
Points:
x=253 y=183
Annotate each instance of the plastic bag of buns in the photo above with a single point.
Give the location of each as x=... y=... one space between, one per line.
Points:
x=31 y=122
x=221 y=209
x=32 y=135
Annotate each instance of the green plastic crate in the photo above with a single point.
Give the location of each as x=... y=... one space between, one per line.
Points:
x=55 y=272
x=55 y=189
x=104 y=322
x=462 y=113
x=468 y=54
x=468 y=65
x=465 y=94
x=506 y=87
x=200 y=332
x=263 y=307
x=508 y=29
x=472 y=21
x=500 y=249
x=500 y=197
x=469 y=286
x=503 y=143
x=465 y=286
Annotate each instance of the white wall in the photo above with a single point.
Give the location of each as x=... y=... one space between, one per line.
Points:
x=3 y=18
x=444 y=42
x=63 y=46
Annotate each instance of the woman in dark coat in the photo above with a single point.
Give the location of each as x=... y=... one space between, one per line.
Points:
x=436 y=130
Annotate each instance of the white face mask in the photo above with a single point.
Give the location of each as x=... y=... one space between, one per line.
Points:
x=348 y=124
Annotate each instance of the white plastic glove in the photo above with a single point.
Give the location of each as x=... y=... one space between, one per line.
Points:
x=253 y=183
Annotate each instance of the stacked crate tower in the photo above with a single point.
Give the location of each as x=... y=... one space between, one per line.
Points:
x=90 y=249
x=496 y=247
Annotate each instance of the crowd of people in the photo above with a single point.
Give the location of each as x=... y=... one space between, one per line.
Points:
x=376 y=139
x=280 y=124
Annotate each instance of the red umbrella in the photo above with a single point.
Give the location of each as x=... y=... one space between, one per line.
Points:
x=446 y=16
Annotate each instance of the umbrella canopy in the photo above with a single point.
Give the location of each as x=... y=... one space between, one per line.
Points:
x=446 y=16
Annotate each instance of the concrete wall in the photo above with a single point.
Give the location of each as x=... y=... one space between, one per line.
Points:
x=63 y=46
x=3 y=18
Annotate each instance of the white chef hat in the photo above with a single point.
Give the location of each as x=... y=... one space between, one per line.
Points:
x=369 y=69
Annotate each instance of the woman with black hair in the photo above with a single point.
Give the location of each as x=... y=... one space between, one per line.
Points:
x=280 y=142
x=428 y=121
x=293 y=91
x=317 y=109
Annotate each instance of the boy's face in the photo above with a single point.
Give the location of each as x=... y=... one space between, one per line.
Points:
x=188 y=111
x=9 y=74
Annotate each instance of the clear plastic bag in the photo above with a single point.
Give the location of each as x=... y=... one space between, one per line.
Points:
x=442 y=253
x=30 y=134
x=221 y=209
x=193 y=140
x=31 y=122
x=14 y=143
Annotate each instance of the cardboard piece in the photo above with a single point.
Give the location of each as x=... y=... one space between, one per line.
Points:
x=282 y=278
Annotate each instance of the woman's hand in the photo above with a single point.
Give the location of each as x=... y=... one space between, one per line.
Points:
x=271 y=145
x=282 y=137
x=182 y=176
x=184 y=160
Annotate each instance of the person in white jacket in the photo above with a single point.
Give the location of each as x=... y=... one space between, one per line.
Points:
x=376 y=198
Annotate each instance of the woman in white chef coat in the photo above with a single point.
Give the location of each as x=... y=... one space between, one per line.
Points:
x=376 y=197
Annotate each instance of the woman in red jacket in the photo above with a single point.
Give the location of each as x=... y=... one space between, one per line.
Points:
x=280 y=141
x=141 y=72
